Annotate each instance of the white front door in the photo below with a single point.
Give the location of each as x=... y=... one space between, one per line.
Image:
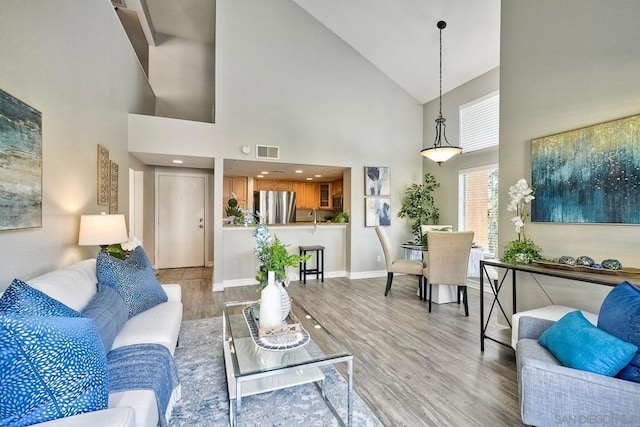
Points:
x=181 y=220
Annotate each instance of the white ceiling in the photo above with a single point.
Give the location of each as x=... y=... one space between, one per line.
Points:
x=399 y=37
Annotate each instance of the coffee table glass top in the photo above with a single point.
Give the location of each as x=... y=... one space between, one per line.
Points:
x=249 y=359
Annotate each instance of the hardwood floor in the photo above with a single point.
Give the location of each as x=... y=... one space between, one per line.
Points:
x=413 y=368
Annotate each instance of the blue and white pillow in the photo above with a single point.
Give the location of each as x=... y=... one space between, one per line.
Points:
x=133 y=278
x=20 y=298
x=108 y=310
x=50 y=367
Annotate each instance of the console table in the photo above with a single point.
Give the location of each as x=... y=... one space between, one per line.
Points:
x=503 y=336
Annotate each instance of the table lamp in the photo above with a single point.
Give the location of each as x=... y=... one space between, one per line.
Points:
x=102 y=230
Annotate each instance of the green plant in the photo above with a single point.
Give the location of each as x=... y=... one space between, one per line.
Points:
x=116 y=251
x=273 y=256
x=342 y=217
x=234 y=212
x=419 y=205
x=521 y=251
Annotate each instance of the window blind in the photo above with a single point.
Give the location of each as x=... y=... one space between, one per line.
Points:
x=480 y=123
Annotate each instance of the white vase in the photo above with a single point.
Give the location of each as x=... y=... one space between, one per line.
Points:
x=285 y=302
x=270 y=304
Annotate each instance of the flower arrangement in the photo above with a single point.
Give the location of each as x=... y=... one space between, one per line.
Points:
x=522 y=250
x=123 y=250
x=273 y=256
x=236 y=214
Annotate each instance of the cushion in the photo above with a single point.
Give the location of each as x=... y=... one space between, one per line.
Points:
x=109 y=312
x=73 y=285
x=20 y=298
x=620 y=316
x=51 y=367
x=576 y=343
x=133 y=278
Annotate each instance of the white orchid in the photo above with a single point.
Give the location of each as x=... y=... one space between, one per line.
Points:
x=521 y=195
x=131 y=244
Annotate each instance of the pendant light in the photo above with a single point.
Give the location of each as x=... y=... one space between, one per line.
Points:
x=439 y=153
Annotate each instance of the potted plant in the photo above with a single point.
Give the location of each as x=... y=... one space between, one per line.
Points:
x=522 y=250
x=419 y=205
x=273 y=260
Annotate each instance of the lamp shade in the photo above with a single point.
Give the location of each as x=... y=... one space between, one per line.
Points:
x=100 y=230
x=441 y=154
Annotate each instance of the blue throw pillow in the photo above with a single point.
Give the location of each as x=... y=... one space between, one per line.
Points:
x=133 y=278
x=109 y=312
x=577 y=344
x=620 y=316
x=50 y=367
x=21 y=298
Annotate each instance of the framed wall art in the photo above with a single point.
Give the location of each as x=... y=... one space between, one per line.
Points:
x=104 y=169
x=377 y=181
x=21 y=171
x=588 y=175
x=113 y=187
x=377 y=211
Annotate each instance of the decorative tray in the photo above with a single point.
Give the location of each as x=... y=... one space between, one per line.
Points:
x=286 y=337
x=625 y=271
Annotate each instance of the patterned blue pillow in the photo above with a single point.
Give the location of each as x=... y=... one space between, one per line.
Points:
x=50 y=367
x=133 y=278
x=20 y=298
x=108 y=310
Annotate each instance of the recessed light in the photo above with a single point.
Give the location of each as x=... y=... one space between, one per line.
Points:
x=264 y=173
x=318 y=176
x=178 y=162
x=259 y=176
x=299 y=171
x=309 y=179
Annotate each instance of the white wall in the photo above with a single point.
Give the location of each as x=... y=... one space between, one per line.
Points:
x=446 y=195
x=181 y=72
x=283 y=79
x=565 y=65
x=83 y=76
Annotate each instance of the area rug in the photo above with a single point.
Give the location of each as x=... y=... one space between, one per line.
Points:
x=204 y=390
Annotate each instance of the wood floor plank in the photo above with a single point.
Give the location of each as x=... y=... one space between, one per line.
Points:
x=412 y=368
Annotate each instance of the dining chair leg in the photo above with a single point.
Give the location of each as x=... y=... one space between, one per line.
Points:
x=430 y=295
x=420 y=286
x=459 y=291
x=389 y=280
x=465 y=301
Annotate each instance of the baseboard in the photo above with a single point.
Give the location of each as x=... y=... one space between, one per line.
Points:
x=250 y=281
x=368 y=274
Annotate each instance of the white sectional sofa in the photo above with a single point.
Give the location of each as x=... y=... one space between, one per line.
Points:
x=74 y=286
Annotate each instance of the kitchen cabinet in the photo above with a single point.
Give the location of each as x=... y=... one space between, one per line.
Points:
x=284 y=186
x=336 y=188
x=325 y=195
x=265 y=185
x=234 y=185
x=299 y=189
x=311 y=195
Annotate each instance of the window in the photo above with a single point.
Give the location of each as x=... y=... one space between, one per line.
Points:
x=478 y=205
x=480 y=123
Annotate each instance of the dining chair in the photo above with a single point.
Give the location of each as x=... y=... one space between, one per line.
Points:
x=401 y=265
x=448 y=261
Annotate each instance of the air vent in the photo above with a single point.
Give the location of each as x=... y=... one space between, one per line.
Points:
x=267 y=152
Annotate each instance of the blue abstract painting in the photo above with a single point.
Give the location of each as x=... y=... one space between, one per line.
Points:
x=20 y=164
x=588 y=175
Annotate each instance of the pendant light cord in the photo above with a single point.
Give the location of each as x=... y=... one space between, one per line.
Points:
x=440 y=71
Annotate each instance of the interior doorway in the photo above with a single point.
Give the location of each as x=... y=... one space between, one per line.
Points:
x=181 y=219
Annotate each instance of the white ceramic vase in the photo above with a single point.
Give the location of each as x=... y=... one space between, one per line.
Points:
x=285 y=302
x=270 y=303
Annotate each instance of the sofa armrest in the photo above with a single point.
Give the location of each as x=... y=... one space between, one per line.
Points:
x=551 y=394
x=174 y=292
x=532 y=327
x=112 y=417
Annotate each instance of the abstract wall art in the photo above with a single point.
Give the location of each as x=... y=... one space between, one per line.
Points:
x=21 y=164
x=377 y=211
x=377 y=181
x=588 y=175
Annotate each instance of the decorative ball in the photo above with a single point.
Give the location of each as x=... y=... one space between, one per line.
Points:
x=585 y=260
x=567 y=260
x=611 y=264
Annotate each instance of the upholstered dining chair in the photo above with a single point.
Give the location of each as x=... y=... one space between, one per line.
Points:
x=447 y=262
x=402 y=265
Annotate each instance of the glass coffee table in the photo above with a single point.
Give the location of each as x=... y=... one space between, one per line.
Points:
x=261 y=364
